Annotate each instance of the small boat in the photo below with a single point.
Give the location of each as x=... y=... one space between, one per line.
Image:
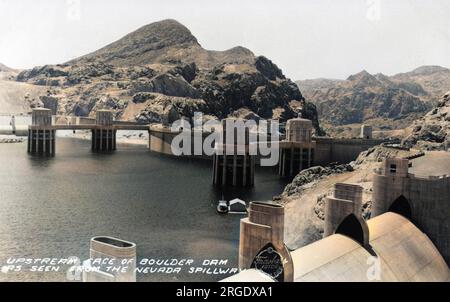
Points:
x=237 y=206
x=222 y=207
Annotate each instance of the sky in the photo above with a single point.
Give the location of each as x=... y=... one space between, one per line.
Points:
x=305 y=38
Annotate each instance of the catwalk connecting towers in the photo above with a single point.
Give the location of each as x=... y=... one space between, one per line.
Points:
x=41 y=133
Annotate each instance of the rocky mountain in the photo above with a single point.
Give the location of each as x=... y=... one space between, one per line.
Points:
x=391 y=101
x=16 y=97
x=4 y=68
x=160 y=72
x=164 y=42
x=432 y=132
x=430 y=82
x=7 y=72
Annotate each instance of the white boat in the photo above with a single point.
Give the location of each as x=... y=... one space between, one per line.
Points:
x=222 y=207
x=237 y=206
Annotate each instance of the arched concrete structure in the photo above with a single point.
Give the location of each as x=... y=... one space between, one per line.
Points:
x=399 y=252
x=343 y=213
x=264 y=225
x=401 y=206
x=427 y=196
x=354 y=228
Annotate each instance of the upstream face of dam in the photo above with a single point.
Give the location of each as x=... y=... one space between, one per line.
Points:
x=52 y=206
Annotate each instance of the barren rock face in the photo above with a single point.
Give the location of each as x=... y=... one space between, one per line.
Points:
x=162 y=66
x=385 y=102
x=364 y=97
x=432 y=132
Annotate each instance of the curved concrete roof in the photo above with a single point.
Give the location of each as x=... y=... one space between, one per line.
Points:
x=249 y=275
x=405 y=254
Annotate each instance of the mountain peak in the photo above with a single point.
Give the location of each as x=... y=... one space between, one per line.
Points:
x=360 y=75
x=169 y=31
x=4 y=68
x=428 y=69
x=163 y=42
x=149 y=44
x=363 y=78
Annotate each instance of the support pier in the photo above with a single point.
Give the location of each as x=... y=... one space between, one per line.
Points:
x=297 y=150
x=41 y=135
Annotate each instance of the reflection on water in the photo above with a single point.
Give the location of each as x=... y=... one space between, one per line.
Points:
x=51 y=207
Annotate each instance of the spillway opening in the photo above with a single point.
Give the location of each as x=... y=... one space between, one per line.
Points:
x=402 y=207
x=352 y=228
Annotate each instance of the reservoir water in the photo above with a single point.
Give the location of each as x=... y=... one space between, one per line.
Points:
x=51 y=207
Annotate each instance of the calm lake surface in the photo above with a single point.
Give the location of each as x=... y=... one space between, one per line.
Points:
x=51 y=207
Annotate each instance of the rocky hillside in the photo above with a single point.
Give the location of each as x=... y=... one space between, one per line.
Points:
x=7 y=72
x=432 y=132
x=392 y=102
x=16 y=97
x=160 y=72
x=430 y=82
x=4 y=68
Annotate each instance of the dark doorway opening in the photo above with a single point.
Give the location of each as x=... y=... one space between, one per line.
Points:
x=401 y=206
x=352 y=228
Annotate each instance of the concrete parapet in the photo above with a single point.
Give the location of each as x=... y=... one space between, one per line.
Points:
x=41 y=117
x=299 y=130
x=263 y=232
x=343 y=213
x=111 y=252
x=104 y=118
x=395 y=167
x=366 y=132
x=423 y=200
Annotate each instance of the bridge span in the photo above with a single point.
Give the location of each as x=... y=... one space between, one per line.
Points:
x=41 y=132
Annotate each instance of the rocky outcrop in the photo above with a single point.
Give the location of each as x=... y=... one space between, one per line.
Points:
x=50 y=102
x=432 y=132
x=11 y=140
x=313 y=174
x=168 y=84
x=245 y=113
x=268 y=68
x=364 y=97
x=163 y=109
x=6 y=69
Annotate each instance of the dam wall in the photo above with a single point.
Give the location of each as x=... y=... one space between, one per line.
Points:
x=327 y=150
x=341 y=150
x=160 y=141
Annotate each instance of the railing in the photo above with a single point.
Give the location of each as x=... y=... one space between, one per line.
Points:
x=72 y=120
x=19 y=120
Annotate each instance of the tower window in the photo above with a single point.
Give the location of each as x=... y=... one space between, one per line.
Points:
x=393 y=168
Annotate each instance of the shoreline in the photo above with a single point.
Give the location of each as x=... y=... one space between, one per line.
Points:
x=127 y=139
x=135 y=138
